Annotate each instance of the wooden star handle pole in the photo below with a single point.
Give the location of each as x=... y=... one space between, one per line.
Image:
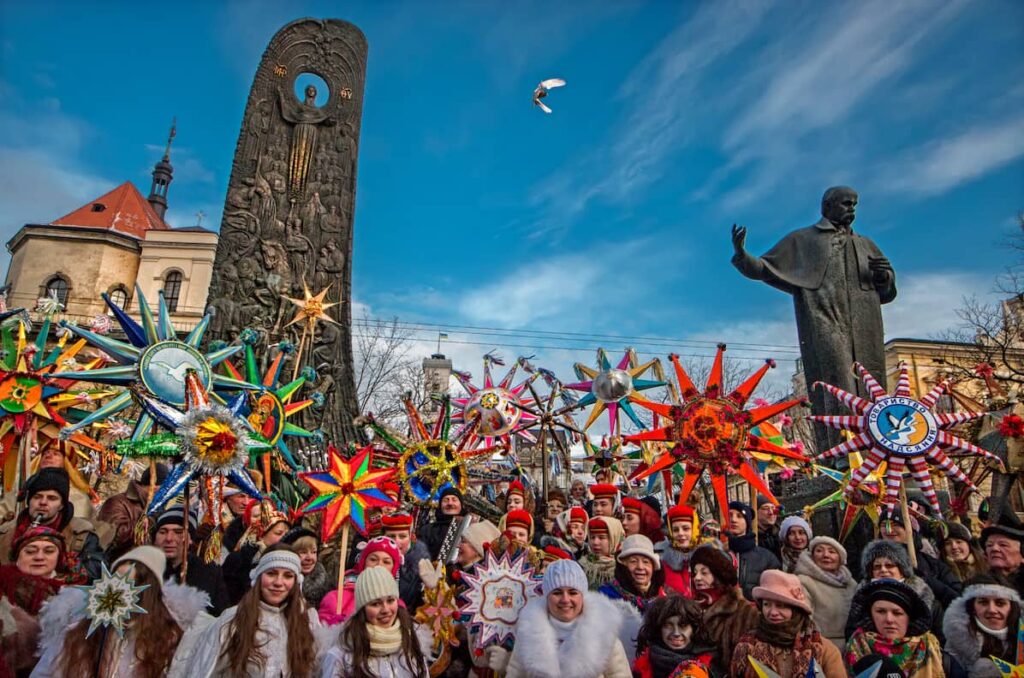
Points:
x=907 y=529
x=341 y=568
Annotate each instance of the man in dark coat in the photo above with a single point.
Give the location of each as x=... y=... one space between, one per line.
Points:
x=753 y=559
x=169 y=537
x=838 y=280
x=768 y=526
x=449 y=508
x=1003 y=542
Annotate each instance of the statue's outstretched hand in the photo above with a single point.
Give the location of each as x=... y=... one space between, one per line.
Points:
x=739 y=238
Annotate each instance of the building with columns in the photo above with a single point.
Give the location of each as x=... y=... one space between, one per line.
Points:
x=110 y=245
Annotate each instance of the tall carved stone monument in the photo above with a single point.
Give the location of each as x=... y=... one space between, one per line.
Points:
x=838 y=280
x=289 y=209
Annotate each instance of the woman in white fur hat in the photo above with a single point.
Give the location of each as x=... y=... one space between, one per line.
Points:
x=174 y=615
x=380 y=639
x=569 y=632
x=269 y=633
x=983 y=623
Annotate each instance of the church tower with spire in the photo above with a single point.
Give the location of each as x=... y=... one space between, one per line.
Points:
x=163 y=174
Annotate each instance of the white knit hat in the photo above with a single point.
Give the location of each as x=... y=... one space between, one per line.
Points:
x=150 y=556
x=564 y=574
x=279 y=559
x=639 y=545
x=374 y=583
x=794 y=521
x=829 y=541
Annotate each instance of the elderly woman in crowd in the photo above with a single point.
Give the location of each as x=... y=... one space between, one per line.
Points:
x=822 y=572
x=895 y=625
x=727 y=614
x=981 y=624
x=785 y=639
x=638 y=576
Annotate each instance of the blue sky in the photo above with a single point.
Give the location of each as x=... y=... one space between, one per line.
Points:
x=610 y=216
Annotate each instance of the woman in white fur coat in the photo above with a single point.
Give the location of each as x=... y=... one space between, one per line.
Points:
x=175 y=616
x=569 y=632
x=822 y=572
x=269 y=633
x=980 y=624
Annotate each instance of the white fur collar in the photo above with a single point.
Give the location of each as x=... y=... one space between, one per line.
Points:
x=963 y=645
x=585 y=652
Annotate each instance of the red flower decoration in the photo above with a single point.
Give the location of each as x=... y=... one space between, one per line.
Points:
x=1011 y=426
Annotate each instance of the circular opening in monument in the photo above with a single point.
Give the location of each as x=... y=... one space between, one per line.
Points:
x=305 y=80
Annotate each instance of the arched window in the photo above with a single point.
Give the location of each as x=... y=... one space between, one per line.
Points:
x=58 y=286
x=120 y=297
x=172 y=290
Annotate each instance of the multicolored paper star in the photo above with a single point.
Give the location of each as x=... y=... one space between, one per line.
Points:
x=493 y=412
x=712 y=432
x=866 y=500
x=345 y=490
x=1006 y=669
x=496 y=591
x=608 y=388
x=902 y=431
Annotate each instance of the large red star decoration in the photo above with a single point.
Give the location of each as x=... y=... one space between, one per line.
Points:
x=711 y=432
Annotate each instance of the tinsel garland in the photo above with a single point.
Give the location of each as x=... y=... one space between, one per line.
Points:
x=159 y=445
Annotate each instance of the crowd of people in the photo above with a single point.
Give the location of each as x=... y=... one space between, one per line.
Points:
x=629 y=589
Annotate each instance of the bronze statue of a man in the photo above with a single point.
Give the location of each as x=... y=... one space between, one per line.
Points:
x=839 y=280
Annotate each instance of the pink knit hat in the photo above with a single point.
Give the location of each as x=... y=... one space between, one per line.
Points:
x=782 y=588
x=385 y=544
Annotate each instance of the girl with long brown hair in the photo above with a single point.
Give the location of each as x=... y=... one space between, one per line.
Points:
x=379 y=640
x=148 y=645
x=269 y=632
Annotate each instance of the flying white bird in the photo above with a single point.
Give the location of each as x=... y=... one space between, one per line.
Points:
x=542 y=91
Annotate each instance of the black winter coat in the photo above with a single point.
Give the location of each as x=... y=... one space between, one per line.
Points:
x=432 y=534
x=236 y=568
x=206 y=577
x=754 y=560
x=410 y=588
x=939 y=577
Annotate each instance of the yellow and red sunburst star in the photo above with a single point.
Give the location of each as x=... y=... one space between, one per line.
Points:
x=902 y=431
x=711 y=432
x=608 y=388
x=493 y=412
x=345 y=490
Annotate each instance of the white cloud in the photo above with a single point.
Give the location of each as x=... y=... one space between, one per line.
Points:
x=940 y=165
x=926 y=303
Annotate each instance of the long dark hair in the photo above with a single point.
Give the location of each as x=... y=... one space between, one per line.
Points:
x=241 y=648
x=659 y=612
x=156 y=633
x=356 y=638
x=990 y=645
x=625 y=580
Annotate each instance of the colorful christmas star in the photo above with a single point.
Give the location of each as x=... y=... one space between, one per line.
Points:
x=901 y=431
x=153 y=358
x=439 y=612
x=345 y=490
x=496 y=591
x=711 y=432
x=493 y=412
x=609 y=388
x=866 y=500
x=1006 y=669
x=111 y=601
x=428 y=463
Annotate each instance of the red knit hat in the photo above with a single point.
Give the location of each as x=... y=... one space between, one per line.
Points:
x=36 y=534
x=553 y=553
x=603 y=490
x=632 y=505
x=578 y=515
x=516 y=487
x=519 y=518
x=682 y=512
x=396 y=521
x=597 y=526
x=385 y=544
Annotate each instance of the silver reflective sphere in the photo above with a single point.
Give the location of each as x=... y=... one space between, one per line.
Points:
x=612 y=385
